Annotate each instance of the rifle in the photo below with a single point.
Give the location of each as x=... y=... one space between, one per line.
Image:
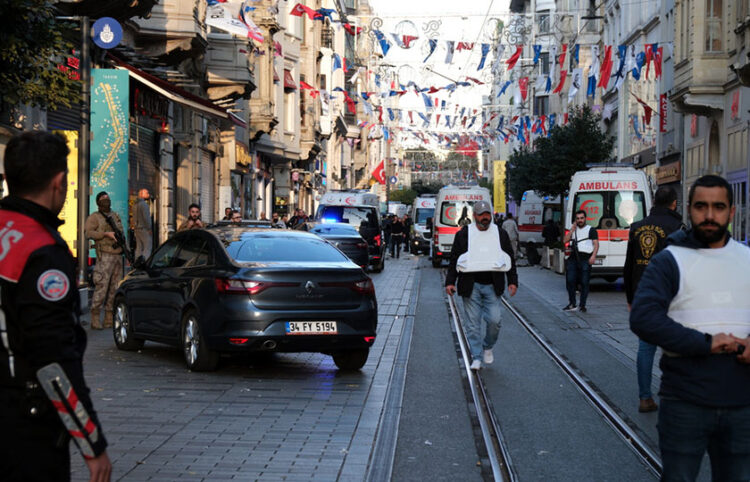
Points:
x=120 y=239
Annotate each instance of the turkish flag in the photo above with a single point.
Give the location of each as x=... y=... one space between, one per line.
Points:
x=300 y=10
x=563 y=75
x=379 y=172
x=514 y=58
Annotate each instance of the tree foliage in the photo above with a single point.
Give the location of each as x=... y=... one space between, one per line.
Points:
x=32 y=44
x=405 y=196
x=553 y=161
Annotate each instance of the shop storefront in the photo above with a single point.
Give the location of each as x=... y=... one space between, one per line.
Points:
x=671 y=175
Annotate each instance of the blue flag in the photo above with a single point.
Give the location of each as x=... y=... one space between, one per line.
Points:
x=336 y=61
x=485 y=51
x=433 y=46
x=427 y=101
x=385 y=45
x=537 y=53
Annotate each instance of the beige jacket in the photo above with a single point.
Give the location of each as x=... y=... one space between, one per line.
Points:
x=97 y=225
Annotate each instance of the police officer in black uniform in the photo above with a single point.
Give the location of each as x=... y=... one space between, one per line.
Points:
x=39 y=324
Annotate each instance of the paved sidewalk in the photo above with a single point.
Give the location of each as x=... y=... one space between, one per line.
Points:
x=283 y=417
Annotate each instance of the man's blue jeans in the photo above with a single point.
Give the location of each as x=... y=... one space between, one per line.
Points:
x=483 y=310
x=687 y=431
x=644 y=365
x=577 y=272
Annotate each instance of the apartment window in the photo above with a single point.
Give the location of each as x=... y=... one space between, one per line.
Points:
x=543 y=22
x=742 y=10
x=289 y=111
x=713 y=25
x=541 y=105
x=544 y=63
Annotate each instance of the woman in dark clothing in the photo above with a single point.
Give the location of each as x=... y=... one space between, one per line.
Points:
x=397 y=236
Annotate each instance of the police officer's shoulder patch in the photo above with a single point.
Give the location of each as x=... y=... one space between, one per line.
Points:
x=53 y=285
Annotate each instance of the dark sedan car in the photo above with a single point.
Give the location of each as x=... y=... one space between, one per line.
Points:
x=347 y=239
x=233 y=289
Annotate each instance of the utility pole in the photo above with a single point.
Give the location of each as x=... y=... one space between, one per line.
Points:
x=83 y=150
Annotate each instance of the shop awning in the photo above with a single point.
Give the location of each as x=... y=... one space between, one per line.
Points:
x=289 y=80
x=177 y=94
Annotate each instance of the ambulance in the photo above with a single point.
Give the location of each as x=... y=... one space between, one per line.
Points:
x=453 y=210
x=613 y=198
x=533 y=213
x=422 y=209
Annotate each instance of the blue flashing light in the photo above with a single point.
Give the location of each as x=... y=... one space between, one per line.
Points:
x=329 y=220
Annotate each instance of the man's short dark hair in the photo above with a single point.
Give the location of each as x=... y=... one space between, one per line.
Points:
x=32 y=159
x=580 y=211
x=711 y=180
x=193 y=205
x=664 y=197
x=101 y=195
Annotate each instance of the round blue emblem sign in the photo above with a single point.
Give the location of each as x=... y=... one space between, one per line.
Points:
x=107 y=32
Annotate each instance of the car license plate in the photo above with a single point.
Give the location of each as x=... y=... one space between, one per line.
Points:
x=311 y=328
x=599 y=261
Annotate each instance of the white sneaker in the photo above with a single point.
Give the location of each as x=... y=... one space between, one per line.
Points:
x=476 y=365
x=488 y=357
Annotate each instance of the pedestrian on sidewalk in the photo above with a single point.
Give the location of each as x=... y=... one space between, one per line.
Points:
x=144 y=233
x=397 y=236
x=480 y=258
x=647 y=238
x=510 y=227
x=691 y=299
x=584 y=243
x=40 y=326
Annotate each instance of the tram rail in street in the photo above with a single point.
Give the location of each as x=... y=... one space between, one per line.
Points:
x=649 y=458
x=497 y=451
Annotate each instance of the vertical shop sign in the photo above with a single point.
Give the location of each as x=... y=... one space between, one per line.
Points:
x=110 y=139
x=69 y=212
x=499 y=191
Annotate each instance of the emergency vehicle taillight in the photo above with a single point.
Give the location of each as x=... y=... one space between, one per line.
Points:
x=377 y=240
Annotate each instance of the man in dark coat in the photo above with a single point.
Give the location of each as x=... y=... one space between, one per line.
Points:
x=647 y=237
x=481 y=290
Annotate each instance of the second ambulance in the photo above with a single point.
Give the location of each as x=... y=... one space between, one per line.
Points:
x=453 y=210
x=613 y=198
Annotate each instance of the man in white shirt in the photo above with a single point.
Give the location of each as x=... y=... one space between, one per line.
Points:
x=584 y=242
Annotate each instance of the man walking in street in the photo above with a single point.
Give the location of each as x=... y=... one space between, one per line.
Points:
x=691 y=298
x=510 y=227
x=397 y=237
x=648 y=237
x=584 y=243
x=40 y=322
x=144 y=234
x=194 y=219
x=480 y=258
x=108 y=269
x=408 y=224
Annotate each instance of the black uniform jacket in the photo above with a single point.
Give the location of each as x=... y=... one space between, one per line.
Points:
x=465 y=281
x=647 y=237
x=41 y=302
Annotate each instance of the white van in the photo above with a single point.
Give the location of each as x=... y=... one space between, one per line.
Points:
x=422 y=208
x=453 y=207
x=533 y=213
x=613 y=198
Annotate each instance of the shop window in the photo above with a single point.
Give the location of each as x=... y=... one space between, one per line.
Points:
x=739 y=222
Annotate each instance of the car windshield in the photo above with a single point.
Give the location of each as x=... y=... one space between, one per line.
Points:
x=611 y=209
x=262 y=247
x=423 y=214
x=457 y=213
x=354 y=215
x=334 y=229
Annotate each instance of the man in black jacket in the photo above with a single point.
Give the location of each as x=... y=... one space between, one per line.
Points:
x=39 y=323
x=481 y=290
x=647 y=237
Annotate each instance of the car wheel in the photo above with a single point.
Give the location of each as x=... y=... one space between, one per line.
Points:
x=123 y=330
x=436 y=262
x=351 y=360
x=198 y=357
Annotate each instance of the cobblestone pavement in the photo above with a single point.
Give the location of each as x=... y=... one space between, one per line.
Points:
x=279 y=417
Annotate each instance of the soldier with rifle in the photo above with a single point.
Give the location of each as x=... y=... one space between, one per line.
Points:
x=105 y=228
